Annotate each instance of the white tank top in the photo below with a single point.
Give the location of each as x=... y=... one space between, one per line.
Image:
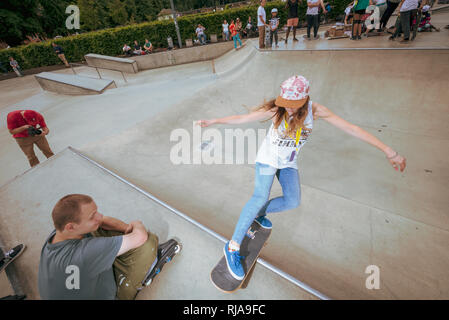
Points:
x=314 y=10
x=277 y=148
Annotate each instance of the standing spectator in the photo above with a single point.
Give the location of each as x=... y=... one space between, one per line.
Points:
x=15 y=66
x=200 y=34
x=248 y=29
x=406 y=9
x=22 y=124
x=417 y=16
x=274 y=24
x=328 y=9
x=137 y=48
x=148 y=46
x=235 y=34
x=261 y=23
x=348 y=13
x=238 y=26
x=292 y=20
x=359 y=10
x=225 y=26
x=391 y=6
x=60 y=53
x=127 y=50
x=313 y=17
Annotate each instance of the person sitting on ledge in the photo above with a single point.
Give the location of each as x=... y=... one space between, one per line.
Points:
x=127 y=50
x=137 y=49
x=200 y=34
x=148 y=46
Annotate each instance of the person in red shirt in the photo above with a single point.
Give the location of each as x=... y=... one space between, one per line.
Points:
x=234 y=34
x=20 y=124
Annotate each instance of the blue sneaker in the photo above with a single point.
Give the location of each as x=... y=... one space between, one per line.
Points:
x=264 y=222
x=233 y=263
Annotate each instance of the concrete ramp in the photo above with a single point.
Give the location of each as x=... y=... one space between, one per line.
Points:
x=27 y=219
x=72 y=84
x=183 y=56
x=111 y=63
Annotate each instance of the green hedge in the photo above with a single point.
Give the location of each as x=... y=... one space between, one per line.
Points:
x=110 y=41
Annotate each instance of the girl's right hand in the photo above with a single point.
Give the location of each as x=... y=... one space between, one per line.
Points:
x=204 y=123
x=398 y=162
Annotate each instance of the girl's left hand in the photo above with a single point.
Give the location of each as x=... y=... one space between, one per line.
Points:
x=398 y=162
x=204 y=123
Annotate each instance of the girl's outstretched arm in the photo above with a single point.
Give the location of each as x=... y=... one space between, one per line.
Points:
x=237 y=119
x=395 y=159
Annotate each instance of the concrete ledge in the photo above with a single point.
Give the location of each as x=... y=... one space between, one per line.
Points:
x=72 y=84
x=185 y=55
x=111 y=63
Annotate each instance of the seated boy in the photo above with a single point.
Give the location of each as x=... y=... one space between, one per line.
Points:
x=91 y=256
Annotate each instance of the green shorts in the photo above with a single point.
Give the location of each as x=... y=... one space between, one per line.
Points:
x=131 y=267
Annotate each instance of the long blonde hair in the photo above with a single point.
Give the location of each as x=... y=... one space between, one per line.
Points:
x=298 y=117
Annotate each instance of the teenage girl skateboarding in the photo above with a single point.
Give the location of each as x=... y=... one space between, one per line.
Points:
x=292 y=114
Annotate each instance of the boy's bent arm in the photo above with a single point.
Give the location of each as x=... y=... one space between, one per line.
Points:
x=135 y=239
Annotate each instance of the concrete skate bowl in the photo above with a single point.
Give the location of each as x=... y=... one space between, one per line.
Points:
x=356 y=210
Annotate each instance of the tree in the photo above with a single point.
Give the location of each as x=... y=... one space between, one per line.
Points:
x=117 y=11
x=94 y=14
x=147 y=10
x=131 y=9
x=18 y=19
x=52 y=16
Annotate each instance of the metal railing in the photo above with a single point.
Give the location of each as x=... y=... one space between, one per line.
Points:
x=96 y=68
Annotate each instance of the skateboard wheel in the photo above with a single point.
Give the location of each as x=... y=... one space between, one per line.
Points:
x=178 y=248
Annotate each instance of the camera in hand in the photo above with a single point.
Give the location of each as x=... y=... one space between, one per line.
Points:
x=32 y=131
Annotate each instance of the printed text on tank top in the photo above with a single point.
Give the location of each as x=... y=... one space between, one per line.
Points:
x=298 y=135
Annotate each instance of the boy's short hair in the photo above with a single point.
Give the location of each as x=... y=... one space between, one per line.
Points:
x=68 y=209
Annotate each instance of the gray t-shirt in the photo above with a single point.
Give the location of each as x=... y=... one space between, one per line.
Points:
x=92 y=256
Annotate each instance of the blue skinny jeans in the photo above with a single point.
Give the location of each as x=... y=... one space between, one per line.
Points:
x=260 y=205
